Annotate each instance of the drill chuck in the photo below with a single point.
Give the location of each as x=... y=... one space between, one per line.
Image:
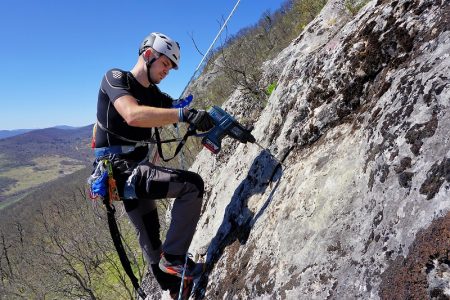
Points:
x=226 y=125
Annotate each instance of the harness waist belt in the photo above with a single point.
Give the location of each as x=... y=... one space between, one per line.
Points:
x=115 y=149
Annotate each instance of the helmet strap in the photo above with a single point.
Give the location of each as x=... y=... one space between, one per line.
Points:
x=149 y=64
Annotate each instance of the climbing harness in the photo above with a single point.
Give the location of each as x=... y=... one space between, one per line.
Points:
x=157 y=140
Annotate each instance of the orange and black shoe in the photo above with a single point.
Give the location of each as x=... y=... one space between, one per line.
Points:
x=174 y=265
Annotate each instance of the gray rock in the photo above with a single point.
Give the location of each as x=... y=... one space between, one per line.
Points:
x=360 y=117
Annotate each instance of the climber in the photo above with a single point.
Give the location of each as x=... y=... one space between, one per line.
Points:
x=129 y=105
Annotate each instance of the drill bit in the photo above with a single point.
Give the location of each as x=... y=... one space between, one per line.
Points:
x=265 y=149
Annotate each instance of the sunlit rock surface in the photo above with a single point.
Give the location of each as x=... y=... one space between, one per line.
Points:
x=360 y=207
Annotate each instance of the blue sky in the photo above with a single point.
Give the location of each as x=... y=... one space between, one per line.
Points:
x=53 y=54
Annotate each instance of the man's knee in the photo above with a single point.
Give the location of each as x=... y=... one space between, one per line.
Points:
x=197 y=181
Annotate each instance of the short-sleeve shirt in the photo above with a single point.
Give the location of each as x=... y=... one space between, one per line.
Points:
x=115 y=84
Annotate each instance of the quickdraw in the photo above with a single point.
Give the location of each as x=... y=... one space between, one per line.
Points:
x=112 y=186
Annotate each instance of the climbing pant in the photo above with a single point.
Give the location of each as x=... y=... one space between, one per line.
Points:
x=148 y=183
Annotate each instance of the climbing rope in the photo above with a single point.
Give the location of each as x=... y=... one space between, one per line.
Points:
x=198 y=68
x=210 y=47
x=180 y=293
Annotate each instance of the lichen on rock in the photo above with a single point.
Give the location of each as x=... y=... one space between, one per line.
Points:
x=360 y=117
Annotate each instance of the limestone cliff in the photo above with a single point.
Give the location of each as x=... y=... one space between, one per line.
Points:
x=360 y=208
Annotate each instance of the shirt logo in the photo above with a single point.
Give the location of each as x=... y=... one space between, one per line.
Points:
x=117 y=74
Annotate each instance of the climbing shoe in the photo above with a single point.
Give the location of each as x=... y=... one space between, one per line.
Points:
x=174 y=265
x=188 y=284
x=172 y=283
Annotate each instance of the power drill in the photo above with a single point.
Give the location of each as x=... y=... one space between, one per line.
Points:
x=225 y=125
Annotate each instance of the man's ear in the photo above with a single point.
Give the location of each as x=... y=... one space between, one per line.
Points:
x=147 y=54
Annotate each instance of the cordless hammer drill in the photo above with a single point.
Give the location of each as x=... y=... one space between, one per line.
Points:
x=225 y=125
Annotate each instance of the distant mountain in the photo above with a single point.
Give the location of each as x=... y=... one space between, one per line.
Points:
x=9 y=133
x=65 y=127
x=36 y=157
x=68 y=142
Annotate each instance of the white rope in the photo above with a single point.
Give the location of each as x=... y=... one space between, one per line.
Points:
x=210 y=47
x=198 y=67
x=180 y=293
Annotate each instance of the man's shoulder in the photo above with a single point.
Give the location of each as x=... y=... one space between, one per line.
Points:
x=117 y=78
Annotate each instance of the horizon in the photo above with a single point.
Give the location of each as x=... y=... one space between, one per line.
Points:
x=11 y=133
x=60 y=126
x=54 y=78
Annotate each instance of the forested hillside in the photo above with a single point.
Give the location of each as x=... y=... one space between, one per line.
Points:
x=37 y=157
x=9 y=133
x=20 y=150
x=55 y=244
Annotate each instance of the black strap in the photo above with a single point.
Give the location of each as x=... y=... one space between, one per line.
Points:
x=191 y=131
x=148 y=141
x=118 y=136
x=115 y=235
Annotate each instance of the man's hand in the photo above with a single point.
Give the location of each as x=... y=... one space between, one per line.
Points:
x=200 y=119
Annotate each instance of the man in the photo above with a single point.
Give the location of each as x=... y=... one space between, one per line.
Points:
x=129 y=105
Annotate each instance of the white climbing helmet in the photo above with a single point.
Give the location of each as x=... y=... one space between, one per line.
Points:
x=164 y=45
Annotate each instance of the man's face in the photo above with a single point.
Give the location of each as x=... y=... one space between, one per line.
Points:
x=160 y=68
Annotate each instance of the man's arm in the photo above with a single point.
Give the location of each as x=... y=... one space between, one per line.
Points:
x=144 y=116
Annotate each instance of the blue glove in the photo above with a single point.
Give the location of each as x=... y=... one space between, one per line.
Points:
x=180 y=103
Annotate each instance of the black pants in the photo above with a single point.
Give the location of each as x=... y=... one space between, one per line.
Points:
x=148 y=183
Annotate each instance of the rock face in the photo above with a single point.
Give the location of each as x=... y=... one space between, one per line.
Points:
x=360 y=208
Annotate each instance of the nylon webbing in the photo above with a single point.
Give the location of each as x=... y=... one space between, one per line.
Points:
x=156 y=141
x=189 y=133
x=115 y=235
x=149 y=141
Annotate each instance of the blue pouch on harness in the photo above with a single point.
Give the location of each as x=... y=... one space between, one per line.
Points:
x=98 y=181
x=98 y=187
